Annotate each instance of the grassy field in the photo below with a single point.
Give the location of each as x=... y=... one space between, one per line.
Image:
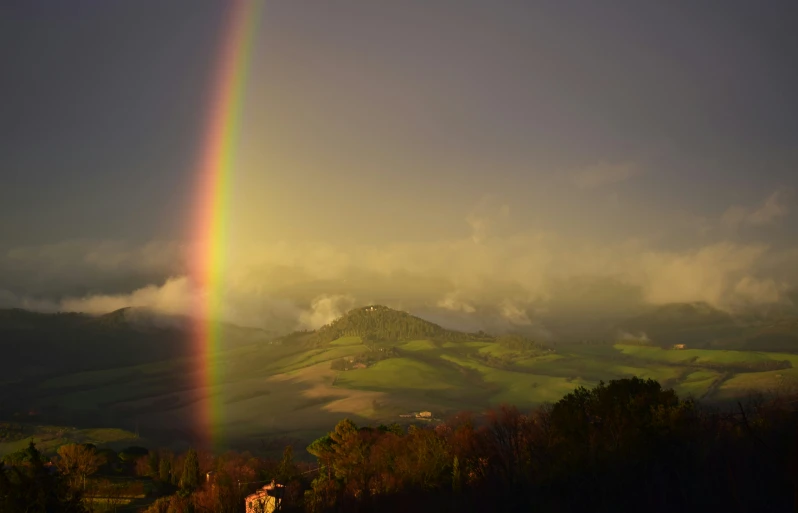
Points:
x=701 y=356
x=291 y=391
x=49 y=438
x=739 y=385
x=315 y=356
x=346 y=341
x=418 y=345
x=697 y=383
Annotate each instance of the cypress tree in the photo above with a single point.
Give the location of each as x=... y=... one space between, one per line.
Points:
x=191 y=471
x=164 y=470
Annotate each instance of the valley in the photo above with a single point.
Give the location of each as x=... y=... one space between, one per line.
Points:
x=371 y=365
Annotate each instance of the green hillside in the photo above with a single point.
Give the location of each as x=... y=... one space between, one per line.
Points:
x=372 y=364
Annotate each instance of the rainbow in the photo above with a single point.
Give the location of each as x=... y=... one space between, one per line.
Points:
x=216 y=169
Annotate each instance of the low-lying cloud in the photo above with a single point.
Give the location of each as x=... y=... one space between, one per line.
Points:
x=325 y=309
x=175 y=296
x=520 y=280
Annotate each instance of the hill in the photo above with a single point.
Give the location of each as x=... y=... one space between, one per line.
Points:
x=685 y=315
x=373 y=364
x=43 y=344
x=378 y=322
x=381 y=324
x=703 y=326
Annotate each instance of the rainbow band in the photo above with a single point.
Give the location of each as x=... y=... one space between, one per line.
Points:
x=216 y=172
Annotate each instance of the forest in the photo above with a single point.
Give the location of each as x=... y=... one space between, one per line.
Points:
x=625 y=445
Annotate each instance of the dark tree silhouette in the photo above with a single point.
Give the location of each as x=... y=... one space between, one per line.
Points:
x=190 y=478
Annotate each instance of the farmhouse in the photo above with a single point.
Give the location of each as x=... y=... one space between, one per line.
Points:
x=265 y=500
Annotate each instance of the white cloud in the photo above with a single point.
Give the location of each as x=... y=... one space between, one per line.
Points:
x=520 y=279
x=707 y=274
x=451 y=301
x=176 y=296
x=514 y=313
x=325 y=309
x=604 y=174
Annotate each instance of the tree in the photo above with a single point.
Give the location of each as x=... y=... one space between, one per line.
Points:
x=456 y=478
x=286 y=470
x=78 y=461
x=164 y=470
x=394 y=428
x=133 y=453
x=32 y=488
x=507 y=440
x=153 y=464
x=190 y=479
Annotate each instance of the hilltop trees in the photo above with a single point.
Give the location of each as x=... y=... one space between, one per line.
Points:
x=381 y=323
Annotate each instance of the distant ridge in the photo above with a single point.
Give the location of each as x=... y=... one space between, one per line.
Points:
x=34 y=343
x=701 y=325
x=142 y=319
x=686 y=314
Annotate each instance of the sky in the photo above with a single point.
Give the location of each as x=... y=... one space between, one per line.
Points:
x=517 y=159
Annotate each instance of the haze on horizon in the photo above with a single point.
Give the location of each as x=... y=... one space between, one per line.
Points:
x=515 y=161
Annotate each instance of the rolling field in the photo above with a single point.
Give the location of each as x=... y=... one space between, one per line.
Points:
x=49 y=438
x=292 y=391
x=346 y=341
x=702 y=356
x=697 y=383
x=401 y=374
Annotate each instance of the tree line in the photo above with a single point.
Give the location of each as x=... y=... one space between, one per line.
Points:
x=190 y=482
x=626 y=445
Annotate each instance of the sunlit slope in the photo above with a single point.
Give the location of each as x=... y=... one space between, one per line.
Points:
x=376 y=364
x=443 y=372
